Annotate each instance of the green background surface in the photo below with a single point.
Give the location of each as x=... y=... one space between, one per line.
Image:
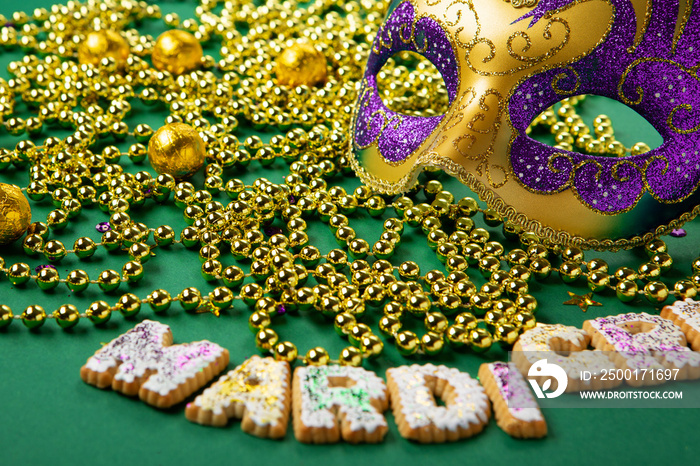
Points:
x=48 y=414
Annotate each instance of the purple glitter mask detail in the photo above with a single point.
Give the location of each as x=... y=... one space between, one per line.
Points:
x=656 y=79
x=397 y=135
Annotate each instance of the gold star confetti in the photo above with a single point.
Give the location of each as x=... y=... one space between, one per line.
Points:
x=582 y=301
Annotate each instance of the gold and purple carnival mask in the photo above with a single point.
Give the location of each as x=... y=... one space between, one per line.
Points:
x=502 y=67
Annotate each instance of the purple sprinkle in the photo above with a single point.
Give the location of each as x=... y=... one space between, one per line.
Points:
x=45 y=266
x=678 y=233
x=281 y=310
x=292 y=199
x=103 y=227
x=269 y=231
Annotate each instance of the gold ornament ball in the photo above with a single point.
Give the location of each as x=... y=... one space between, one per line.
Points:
x=103 y=44
x=301 y=64
x=15 y=213
x=176 y=149
x=177 y=52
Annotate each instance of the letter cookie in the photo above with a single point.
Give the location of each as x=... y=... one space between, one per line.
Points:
x=685 y=314
x=515 y=409
x=642 y=341
x=142 y=362
x=326 y=396
x=548 y=342
x=257 y=391
x=413 y=390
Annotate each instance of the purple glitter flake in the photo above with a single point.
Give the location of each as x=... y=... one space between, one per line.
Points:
x=292 y=199
x=38 y=268
x=10 y=25
x=678 y=233
x=269 y=231
x=281 y=310
x=103 y=227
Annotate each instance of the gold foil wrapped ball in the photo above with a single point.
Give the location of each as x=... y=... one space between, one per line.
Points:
x=301 y=64
x=176 y=149
x=103 y=44
x=15 y=213
x=177 y=52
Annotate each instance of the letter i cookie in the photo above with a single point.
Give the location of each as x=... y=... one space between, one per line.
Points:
x=685 y=314
x=142 y=362
x=413 y=390
x=257 y=392
x=330 y=402
x=642 y=343
x=515 y=409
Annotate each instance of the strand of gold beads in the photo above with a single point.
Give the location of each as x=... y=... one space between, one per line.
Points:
x=309 y=126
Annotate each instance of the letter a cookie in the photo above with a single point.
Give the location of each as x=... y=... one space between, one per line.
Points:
x=142 y=362
x=257 y=392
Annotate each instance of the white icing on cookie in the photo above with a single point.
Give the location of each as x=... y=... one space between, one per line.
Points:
x=259 y=383
x=319 y=397
x=646 y=350
x=469 y=406
x=538 y=343
x=688 y=311
x=141 y=351
x=515 y=392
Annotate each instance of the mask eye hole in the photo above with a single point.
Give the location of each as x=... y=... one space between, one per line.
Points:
x=594 y=125
x=410 y=84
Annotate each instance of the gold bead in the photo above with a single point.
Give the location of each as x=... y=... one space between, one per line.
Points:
x=317 y=357
x=67 y=316
x=371 y=346
x=389 y=325
x=350 y=356
x=221 y=297
x=479 y=339
x=506 y=334
x=656 y=292
x=343 y=323
x=176 y=149
x=685 y=289
x=101 y=44
x=33 y=317
x=436 y=322
x=159 y=300
x=6 y=316
x=266 y=339
x=177 y=52
x=407 y=342
x=626 y=290
x=99 y=312
x=301 y=64
x=598 y=281
x=432 y=343
x=456 y=336
x=285 y=351
x=15 y=213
